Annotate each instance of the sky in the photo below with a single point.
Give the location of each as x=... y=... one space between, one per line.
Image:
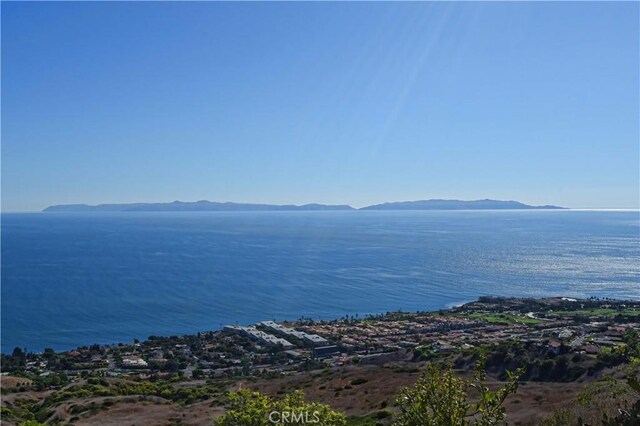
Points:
x=338 y=103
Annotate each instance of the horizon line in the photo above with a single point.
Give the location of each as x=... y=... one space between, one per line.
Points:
x=337 y=204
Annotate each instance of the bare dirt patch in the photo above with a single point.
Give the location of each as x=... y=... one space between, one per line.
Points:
x=152 y=413
x=12 y=382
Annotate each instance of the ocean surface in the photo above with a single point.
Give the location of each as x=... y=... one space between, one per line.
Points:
x=77 y=279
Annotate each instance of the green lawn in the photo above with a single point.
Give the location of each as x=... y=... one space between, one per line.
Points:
x=495 y=318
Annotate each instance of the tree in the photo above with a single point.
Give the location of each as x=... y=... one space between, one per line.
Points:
x=198 y=373
x=632 y=343
x=440 y=399
x=249 y=408
x=19 y=356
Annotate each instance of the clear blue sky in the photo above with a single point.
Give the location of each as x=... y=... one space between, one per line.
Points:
x=308 y=102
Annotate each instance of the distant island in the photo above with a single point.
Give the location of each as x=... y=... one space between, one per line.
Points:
x=178 y=206
x=457 y=205
x=205 y=205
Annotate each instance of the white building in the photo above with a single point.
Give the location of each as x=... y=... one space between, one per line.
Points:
x=257 y=335
x=313 y=339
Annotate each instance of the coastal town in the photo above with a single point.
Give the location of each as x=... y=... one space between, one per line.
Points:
x=588 y=335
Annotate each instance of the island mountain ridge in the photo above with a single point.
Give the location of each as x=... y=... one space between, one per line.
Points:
x=204 y=205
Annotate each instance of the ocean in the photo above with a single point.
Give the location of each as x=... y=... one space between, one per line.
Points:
x=78 y=279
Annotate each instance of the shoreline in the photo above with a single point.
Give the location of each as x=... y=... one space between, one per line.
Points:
x=358 y=317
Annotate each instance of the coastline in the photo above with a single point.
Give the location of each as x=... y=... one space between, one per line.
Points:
x=301 y=321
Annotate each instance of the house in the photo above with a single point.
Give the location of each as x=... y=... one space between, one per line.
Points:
x=133 y=361
x=325 y=351
x=591 y=349
x=554 y=347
